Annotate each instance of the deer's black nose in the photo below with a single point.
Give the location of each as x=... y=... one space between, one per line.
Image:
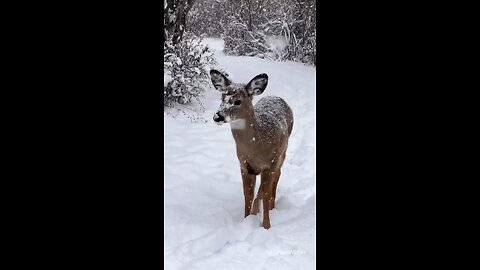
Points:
x=217 y=118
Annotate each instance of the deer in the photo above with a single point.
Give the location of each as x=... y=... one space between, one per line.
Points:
x=261 y=134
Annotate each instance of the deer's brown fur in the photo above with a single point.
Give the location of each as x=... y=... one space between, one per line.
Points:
x=261 y=135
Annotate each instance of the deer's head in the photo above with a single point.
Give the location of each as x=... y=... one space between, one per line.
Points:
x=236 y=98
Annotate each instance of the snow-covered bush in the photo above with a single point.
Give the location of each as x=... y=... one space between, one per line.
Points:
x=270 y=40
x=186 y=66
x=240 y=41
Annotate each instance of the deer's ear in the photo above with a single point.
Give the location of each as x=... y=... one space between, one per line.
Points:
x=257 y=85
x=219 y=80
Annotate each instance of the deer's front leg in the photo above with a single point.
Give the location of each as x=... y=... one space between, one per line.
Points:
x=248 y=190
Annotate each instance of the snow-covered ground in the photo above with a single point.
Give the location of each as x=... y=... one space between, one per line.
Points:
x=204 y=205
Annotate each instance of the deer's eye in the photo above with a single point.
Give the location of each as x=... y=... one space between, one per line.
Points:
x=237 y=102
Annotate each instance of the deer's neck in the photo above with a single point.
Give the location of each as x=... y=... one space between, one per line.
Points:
x=244 y=129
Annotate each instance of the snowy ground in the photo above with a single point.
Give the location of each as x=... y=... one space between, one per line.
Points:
x=204 y=205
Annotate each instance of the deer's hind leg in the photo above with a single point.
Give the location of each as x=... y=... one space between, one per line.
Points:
x=275 y=179
x=260 y=196
x=256 y=203
x=268 y=177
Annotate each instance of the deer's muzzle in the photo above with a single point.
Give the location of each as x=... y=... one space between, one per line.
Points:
x=218 y=118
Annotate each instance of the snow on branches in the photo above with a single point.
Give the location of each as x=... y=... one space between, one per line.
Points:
x=186 y=70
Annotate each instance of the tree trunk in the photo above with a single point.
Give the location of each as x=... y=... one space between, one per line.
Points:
x=249 y=26
x=176 y=27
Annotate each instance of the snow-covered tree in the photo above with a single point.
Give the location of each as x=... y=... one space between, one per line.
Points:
x=186 y=60
x=273 y=29
x=175 y=18
x=206 y=18
x=186 y=65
